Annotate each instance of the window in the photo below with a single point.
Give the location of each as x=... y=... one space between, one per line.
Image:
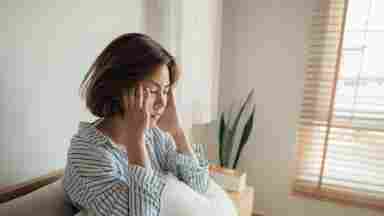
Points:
x=341 y=128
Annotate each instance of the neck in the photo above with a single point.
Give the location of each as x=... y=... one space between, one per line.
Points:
x=112 y=127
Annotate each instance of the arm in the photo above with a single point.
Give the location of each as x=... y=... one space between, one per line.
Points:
x=183 y=145
x=189 y=168
x=178 y=157
x=136 y=150
x=93 y=181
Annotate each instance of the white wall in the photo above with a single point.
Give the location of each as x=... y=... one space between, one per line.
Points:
x=195 y=39
x=263 y=47
x=200 y=47
x=46 y=48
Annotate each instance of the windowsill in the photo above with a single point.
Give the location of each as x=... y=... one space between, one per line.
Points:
x=343 y=199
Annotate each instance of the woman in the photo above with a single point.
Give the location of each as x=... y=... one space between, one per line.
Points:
x=117 y=164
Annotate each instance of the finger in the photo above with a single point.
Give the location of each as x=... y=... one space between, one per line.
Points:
x=139 y=97
x=171 y=97
x=125 y=101
x=146 y=100
x=131 y=97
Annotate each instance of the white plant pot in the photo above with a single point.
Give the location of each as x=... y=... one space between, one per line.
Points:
x=229 y=179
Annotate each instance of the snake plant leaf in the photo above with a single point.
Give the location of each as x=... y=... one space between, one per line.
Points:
x=231 y=112
x=233 y=128
x=229 y=125
x=247 y=101
x=222 y=131
x=228 y=147
x=244 y=137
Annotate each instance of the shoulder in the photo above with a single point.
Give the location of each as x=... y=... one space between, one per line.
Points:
x=89 y=147
x=84 y=144
x=88 y=133
x=88 y=159
x=89 y=137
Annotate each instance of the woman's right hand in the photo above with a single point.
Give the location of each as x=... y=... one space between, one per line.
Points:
x=136 y=104
x=136 y=119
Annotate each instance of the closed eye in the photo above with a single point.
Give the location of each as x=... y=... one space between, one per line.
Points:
x=165 y=91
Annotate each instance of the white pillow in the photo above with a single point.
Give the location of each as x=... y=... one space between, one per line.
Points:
x=179 y=199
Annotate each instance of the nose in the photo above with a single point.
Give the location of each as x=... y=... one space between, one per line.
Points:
x=160 y=102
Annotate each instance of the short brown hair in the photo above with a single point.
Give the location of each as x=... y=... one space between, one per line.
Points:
x=126 y=60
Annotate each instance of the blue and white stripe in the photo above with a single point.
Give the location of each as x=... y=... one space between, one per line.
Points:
x=99 y=178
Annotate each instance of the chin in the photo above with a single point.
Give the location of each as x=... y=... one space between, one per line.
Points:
x=153 y=124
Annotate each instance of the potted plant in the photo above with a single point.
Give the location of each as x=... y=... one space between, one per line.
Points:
x=235 y=127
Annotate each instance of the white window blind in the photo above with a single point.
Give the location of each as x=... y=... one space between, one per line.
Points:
x=341 y=128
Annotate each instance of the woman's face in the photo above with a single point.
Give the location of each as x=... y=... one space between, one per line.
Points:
x=158 y=85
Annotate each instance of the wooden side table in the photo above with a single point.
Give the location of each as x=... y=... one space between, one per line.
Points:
x=243 y=201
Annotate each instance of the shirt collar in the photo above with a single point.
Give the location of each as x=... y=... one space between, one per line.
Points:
x=89 y=131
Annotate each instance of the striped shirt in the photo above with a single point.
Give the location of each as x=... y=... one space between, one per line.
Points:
x=99 y=178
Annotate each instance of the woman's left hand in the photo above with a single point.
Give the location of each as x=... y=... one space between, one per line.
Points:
x=169 y=120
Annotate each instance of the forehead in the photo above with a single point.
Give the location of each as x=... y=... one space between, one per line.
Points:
x=160 y=76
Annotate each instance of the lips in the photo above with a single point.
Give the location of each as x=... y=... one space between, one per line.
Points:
x=155 y=115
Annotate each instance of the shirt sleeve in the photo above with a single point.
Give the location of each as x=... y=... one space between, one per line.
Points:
x=191 y=169
x=93 y=181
